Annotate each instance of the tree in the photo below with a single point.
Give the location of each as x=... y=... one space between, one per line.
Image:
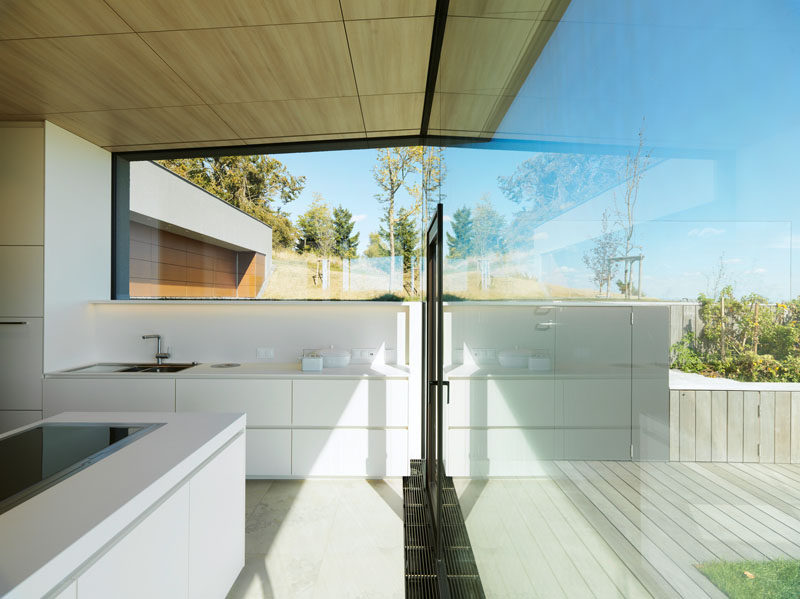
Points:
x=406 y=240
x=258 y=185
x=635 y=166
x=459 y=244
x=488 y=226
x=316 y=228
x=345 y=243
x=376 y=247
x=598 y=258
x=390 y=172
x=430 y=165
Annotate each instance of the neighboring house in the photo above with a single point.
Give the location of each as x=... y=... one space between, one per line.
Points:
x=186 y=242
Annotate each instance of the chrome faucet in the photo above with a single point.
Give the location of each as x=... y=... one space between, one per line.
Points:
x=160 y=355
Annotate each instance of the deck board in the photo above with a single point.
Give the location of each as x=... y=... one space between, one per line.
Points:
x=630 y=529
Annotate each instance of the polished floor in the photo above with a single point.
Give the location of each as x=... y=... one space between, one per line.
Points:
x=585 y=529
x=323 y=539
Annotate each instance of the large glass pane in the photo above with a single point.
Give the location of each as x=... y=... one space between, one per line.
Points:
x=628 y=204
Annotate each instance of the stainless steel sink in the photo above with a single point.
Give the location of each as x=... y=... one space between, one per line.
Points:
x=112 y=367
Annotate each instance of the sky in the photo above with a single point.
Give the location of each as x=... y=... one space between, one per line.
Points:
x=715 y=87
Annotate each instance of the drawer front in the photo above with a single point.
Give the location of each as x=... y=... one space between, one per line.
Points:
x=266 y=402
x=349 y=452
x=21 y=366
x=269 y=452
x=108 y=395
x=503 y=402
x=359 y=403
x=597 y=403
x=22 y=273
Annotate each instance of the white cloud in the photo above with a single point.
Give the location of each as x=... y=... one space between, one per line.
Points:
x=448 y=218
x=564 y=269
x=732 y=261
x=543 y=235
x=756 y=271
x=706 y=232
x=359 y=217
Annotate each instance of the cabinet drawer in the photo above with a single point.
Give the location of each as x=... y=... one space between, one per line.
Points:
x=349 y=452
x=108 y=395
x=266 y=402
x=22 y=273
x=503 y=402
x=269 y=452
x=597 y=403
x=21 y=366
x=360 y=403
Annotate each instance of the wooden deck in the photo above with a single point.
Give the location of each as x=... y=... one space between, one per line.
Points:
x=628 y=529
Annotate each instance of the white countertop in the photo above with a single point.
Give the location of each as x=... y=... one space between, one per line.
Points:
x=258 y=370
x=689 y=381
x=51 y=534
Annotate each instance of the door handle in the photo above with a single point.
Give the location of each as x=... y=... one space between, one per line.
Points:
x=13 y=322
x=444 y=384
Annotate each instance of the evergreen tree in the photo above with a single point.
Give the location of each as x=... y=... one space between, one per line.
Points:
x=459 y=245
x=345 y=243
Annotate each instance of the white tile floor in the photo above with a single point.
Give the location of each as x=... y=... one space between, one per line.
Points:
x=322 y=538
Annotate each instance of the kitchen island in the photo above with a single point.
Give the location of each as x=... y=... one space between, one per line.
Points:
x=161 y=517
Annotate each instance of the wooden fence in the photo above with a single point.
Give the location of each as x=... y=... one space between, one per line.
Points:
x=683 y=318
x=734 y=426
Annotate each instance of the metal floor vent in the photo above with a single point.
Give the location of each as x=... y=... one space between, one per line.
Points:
x=463 y=580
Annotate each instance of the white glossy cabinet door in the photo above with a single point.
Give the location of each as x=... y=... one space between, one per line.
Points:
x=269 y=452
x=22 y=274
x=11 y=419
x=597 y=419
x=21 y=184
x=216 y=523
x=152 y=560
x=359 y=403
x=349 y=452
x=266 y=402
x=108 y=395
x=21 y=364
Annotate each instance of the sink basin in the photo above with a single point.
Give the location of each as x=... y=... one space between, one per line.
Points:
x=107 y=367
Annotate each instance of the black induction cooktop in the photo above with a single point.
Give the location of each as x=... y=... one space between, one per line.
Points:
x=39 y=457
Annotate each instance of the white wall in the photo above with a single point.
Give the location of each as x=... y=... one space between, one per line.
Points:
x=231 y=333
x=77 y=253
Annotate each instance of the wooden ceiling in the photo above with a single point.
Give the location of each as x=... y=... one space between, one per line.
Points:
x=151 y=74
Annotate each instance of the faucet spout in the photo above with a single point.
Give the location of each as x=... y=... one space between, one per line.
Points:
x=160 y=355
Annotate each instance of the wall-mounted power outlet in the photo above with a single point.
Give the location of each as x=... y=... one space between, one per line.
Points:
x=363 y=356
x=265 y=353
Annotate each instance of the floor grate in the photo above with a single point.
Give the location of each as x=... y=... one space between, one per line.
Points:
x=463 y=580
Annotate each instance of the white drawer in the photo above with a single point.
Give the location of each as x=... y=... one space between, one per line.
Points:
x=269 y=452
x=503 y=402
x=22 y=274
x=349 y=452
x=21 y=366
x=108 y=395
x=266 y=402
x=594 y=403
x=358 y=403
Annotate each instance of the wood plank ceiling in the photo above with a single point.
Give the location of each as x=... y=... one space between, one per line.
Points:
x=152 y=74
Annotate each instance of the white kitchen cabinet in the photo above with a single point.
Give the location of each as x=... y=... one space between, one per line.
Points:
x=22 y=184
x=150 y=561
x=266 y=402
x=21 y=366
x=108 y=395
x=349 y=452
x=498 y=451
x=507 y=402
x=216 y=523
x=597 y=419
x=11 y=419
x=22 y=273
x=269 y=452
x=360 y=403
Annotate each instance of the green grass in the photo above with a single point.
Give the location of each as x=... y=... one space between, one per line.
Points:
x=778 y=579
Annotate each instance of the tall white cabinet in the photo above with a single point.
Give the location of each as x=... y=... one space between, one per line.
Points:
x=22 y=272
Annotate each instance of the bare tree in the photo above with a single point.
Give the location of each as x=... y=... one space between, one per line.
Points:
x=635 y=166
x=598 y=259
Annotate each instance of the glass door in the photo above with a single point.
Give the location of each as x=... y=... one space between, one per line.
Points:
x=434 y=383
